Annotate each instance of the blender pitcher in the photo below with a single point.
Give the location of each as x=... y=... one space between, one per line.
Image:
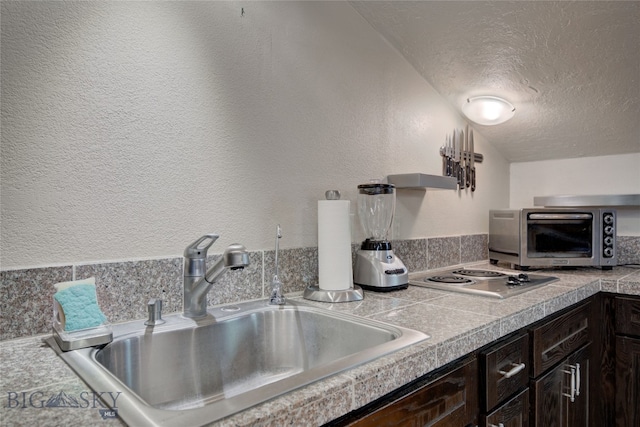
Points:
x=377 y=268
x=376 y=206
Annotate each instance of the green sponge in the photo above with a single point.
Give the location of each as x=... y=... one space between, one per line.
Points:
x=79 y=305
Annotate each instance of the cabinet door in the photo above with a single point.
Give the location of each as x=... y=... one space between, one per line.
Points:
x=578 y=409
x=449 y=401
x=561 y=396
x=513 y=413
x=627 y=382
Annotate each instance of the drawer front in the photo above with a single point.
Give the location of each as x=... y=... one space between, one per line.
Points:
x=513 y=413
x=449 y=401
x=554 y=340
x=628 y=316
x=505 y=370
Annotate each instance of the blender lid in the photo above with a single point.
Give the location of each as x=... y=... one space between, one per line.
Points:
x=376 y=188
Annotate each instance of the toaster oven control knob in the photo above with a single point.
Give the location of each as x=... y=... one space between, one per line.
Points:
x=608 y=219
x=608 y=252
x=608 y=241
x=608 y=230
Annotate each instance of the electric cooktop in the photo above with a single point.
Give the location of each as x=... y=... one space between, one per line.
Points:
x=489 y=283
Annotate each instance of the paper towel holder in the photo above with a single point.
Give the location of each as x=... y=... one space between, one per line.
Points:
x=314 y=293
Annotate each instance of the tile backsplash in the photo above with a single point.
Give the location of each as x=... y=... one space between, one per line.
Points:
x=124 y=288
x=628 y=249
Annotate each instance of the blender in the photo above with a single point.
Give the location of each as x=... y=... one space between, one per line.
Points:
x=377 y=268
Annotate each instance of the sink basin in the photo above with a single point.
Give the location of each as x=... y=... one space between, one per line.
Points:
x=188 y=372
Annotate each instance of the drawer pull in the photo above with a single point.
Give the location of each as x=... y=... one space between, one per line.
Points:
x=517 y=367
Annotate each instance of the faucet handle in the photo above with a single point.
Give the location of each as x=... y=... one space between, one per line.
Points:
x=198 y=249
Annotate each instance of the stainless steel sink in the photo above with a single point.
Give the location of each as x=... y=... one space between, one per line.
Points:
x=189 y=372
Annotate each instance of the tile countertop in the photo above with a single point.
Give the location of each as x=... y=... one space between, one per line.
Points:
x=31 y=373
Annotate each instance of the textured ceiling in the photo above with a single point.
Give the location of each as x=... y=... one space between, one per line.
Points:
x=572 y=69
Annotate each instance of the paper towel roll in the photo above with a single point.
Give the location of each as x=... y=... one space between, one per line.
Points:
x=334 y=245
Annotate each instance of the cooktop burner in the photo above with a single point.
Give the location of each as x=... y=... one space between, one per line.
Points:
x=485 y=274
x=451 y=280
x=490 y=283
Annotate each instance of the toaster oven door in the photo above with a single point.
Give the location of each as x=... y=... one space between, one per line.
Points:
x=560 y=235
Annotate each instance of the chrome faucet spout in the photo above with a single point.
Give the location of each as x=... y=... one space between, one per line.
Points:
x=198 y=280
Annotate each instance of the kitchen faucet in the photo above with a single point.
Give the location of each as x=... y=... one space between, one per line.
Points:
x=198 y=280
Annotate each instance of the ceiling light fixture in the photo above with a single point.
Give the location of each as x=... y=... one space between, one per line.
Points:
x=488 y=110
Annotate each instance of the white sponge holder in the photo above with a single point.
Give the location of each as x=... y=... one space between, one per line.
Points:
x=81 y=338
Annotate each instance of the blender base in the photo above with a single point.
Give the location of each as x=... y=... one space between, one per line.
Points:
x=380 y=270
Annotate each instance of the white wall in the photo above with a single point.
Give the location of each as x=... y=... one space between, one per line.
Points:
x=618 y=174
x=131 y=128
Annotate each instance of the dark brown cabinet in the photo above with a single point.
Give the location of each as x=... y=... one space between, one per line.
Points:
x=554 y=339
x=628 y=316
x=504 y=372
x=560 y=361
x=616 y=365
x=512 y=413
x=548 y=369
x=561 y=395
x=449 y=399
x=627 y=362
x=627 y=382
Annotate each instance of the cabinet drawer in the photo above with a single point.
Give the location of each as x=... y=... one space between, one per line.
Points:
x=556 y=339
x=628 y=316
x=448 y=401
x=505 y=370
x=513 y=413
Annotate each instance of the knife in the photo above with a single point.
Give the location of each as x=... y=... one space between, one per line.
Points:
x=454 y=168
x=467 y=161
x=443 y=153
x=461 y=170
x=450 y=154
x=472 y=158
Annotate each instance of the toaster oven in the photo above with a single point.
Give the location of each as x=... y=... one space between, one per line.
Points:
x=539 y=237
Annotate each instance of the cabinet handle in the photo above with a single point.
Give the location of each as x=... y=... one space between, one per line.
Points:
x=577 y=379
x=572 y=372
x=493 y=425
x=517 y=367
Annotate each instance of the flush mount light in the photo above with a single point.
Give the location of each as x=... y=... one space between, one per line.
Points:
x=488 y=110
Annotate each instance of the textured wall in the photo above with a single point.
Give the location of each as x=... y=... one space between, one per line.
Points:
x=618 y=174
x=131 y=128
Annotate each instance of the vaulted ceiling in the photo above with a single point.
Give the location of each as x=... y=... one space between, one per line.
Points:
x=571 y=69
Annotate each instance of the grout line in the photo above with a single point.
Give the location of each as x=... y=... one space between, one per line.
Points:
x=263 y=274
